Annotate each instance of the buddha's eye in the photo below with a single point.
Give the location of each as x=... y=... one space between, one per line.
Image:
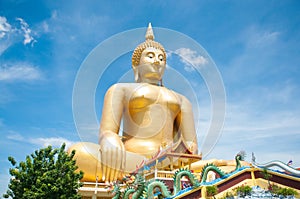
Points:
x=161 y=57
x=150 y=55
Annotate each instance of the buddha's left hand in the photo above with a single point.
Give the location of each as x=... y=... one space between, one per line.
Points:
x=112 y=153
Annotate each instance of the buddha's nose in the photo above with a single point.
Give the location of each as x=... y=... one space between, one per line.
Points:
x=156 y=62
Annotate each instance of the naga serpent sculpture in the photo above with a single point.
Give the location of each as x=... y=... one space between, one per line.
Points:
x=116 y=191
x=150 y=188
x=140 y=189
x=211 y=167
x=179 y=174
x=280 y=164
x=148 y=191
x=136 y=189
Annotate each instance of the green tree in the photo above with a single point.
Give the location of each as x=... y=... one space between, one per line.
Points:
x=243 y=191
x=267 y=176
x=279 y=191
x=211 y=191
x=46 y=173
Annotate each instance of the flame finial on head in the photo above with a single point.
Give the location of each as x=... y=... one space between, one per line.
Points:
x=148 y=43
x=149 y=34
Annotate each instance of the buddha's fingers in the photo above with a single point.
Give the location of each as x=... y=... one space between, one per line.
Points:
x=122 y=163
x=114 y=163
x=99 y=167
x=111 y=165
x=112 y=175
x=103 y=165
x=108 y=164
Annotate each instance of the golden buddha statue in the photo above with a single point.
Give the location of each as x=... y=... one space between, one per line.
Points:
x=154 y=117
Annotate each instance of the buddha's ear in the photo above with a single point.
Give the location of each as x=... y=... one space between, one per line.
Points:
x=136 y=74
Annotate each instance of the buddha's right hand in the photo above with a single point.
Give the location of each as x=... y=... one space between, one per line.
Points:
x=112 y=152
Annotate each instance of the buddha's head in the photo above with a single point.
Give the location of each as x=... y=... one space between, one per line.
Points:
x=149 y=60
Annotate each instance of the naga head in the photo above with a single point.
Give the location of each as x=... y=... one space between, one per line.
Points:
x=241 y=155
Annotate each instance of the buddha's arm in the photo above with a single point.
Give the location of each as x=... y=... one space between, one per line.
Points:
x=111 y=147
x=112 y=109
x=185 y=122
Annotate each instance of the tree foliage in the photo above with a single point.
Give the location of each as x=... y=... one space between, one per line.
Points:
x=266 y=175
x=243 y=191
x=279 y=191
x=46 y=173
x=211 y=190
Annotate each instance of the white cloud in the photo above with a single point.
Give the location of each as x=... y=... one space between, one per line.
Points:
x=263 y=119
x=5 y=27
x=15 y=136
x=264 y=109
x=54 y=14
x=19 y=72
x=283 y=93
x=262 y=53
x=10 y=34
x=53 y=141
x=253 y=128
x=247 y=123
x=190 y=58
x=41 y=142
x=267 y=153
x=277 y=142
x=5 y=31
x=256 y=37
x=26 y=32
x=45 y=27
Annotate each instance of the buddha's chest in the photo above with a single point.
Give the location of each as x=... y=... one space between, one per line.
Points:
x=145 y=97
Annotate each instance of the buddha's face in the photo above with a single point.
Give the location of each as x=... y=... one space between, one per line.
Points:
x=152 y=65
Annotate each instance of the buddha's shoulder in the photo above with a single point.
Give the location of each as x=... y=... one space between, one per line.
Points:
x=179 y=96
x=125 y=86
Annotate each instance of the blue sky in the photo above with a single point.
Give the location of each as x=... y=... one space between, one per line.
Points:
x=254 y=44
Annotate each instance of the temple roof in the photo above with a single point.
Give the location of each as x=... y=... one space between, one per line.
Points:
x=178 y=150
